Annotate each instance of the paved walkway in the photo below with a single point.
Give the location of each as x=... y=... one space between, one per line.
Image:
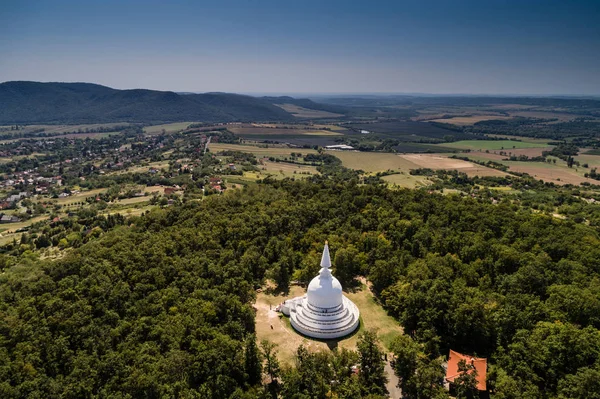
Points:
x=392 y=385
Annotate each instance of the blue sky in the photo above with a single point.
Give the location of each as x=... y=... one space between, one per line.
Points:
x=327 y=46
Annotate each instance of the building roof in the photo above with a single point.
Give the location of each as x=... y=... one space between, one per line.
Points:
x=339 y=147
x=480 y=364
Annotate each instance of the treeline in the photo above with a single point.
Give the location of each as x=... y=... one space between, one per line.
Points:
x=586 y=131
x=162 y=306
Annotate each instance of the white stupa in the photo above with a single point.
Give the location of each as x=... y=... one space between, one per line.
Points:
x=324 y=312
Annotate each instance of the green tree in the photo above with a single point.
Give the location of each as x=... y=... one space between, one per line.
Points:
x=269 y=354
x=252 y=360
x=372 y=365
x=346 y=266
x=466 y=382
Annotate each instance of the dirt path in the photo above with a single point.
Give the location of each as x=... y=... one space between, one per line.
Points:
x=392 y=385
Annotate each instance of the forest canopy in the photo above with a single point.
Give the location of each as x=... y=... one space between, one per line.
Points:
x=162 y=307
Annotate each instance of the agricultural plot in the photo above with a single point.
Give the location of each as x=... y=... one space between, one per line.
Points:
x=259 y=152
x=521 y=138
x=556 y=173
x=269 y=131
x=469 y=120
x=436 y=161
x=483 y=145
x=561 y=116
x=407 y=180
x=593 y=161
x=8 y=231
x=301 y=112
x=94 y=136
x=81 y=196
x=373 y=162
x=168 y=128
x=418 y=147
x=409 y=130
x=71 y=128
x=284 y=169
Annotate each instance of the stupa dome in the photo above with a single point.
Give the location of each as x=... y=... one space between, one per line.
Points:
x=324 y=312
x=324 y=291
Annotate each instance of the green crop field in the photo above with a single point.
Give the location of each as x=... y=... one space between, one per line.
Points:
x=259 y=151
x=168 y=127
x=407 y=180
x=492 y=144
x=373 y=161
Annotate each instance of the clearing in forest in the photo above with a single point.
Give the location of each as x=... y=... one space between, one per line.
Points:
x=276 y=328
x=407 y=180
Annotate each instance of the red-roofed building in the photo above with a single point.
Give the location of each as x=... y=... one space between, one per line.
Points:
x=480 y=364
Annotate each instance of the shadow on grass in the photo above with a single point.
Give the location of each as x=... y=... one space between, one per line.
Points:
x=332 y=344
x=277 y=291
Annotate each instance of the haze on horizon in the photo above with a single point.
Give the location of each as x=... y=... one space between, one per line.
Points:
x=444 y=47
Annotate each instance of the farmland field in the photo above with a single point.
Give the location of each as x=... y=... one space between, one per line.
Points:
x=407 y=180
x=418 y=147
x=469 y=120
x=436 y=161
x=492 y=144
x=521 y=138
x=71 y=128
x=168 y=127
x=9 y=234
x=561 y=116
x=267 y=131
x=259 y=151
x=373 y=161
x=85 y=135
x=559 y=173
x=408 y=130
x=301 y=112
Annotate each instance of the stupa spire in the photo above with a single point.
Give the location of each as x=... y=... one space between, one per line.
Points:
x=325 y=260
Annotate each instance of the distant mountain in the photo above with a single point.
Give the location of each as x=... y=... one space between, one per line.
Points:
x=35 y=102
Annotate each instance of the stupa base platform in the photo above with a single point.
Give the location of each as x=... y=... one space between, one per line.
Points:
x=322 y=323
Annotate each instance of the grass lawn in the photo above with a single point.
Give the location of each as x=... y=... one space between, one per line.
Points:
x=144 y=168
x=81 y=196
x=134 y=200
x=492 y=144
x=372 y=315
